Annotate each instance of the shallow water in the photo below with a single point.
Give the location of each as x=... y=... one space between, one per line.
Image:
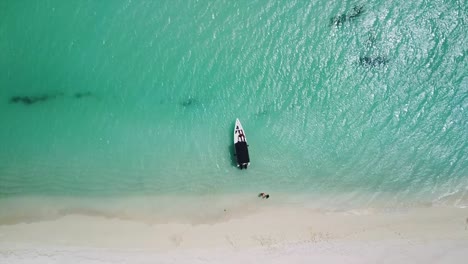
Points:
x=122 y=98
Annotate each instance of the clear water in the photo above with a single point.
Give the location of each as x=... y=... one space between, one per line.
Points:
x=119 y=98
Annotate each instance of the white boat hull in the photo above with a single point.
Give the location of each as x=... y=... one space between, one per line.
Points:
x=239 y=135
x=241 y=146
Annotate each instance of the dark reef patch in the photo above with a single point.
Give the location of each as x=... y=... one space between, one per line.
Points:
x=189 y=102
x=35 y=99
x=80 y=95
x=373 y=61
x=356 y=12
x=338 y=20
x=30 y=100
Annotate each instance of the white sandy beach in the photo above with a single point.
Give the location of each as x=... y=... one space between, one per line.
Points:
x=270 y=233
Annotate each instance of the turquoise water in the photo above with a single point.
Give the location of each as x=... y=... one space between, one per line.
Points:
x=123 y=98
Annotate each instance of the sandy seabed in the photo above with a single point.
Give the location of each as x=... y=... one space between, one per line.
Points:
x=267 y=233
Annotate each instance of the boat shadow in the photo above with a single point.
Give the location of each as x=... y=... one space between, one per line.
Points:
x=232 y=156
x=231 y=148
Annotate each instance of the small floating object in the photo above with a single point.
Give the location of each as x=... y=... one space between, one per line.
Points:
x=241 y=146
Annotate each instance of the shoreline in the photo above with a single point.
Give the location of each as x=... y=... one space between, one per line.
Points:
x=199 y=209
x=267 y=229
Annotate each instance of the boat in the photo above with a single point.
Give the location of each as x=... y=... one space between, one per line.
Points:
x=241 y=147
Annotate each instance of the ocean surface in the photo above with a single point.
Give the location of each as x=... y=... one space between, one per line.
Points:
x=341 y=101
